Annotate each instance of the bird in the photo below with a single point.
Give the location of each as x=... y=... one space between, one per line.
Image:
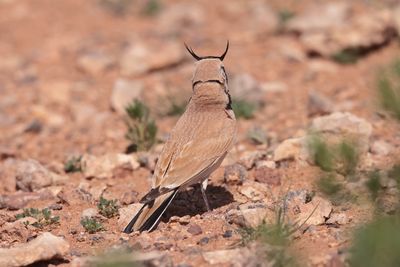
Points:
x=197 y=144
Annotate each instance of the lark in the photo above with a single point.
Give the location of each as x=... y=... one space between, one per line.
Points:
x=197 y=145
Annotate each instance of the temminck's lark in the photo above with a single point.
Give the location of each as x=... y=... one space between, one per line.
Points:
x=197 y=145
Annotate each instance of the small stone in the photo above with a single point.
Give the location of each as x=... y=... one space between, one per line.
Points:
x=267 y=176
x=274 y=87
x=232 y=257
x=153 y=258
x=90 y=191
x=34 y=126
x=262 y=18
x=317 y=67
x=17 y=231
x=94 y=63
x=318 y=104
x=96 y=238
x=340 y=126
x=329 y=29
x=270 y=164
x=26 y=75
x=227 y=234
x=73 y=231
x=251 y=192
x=89 y=213
x=8 y=170
x=181 y=220
x=244 y=86
x=81 y=238
x=320 y=260
x=44 y=247
x=389 y=202
x=55 y=206
x=292 y=149
x=148 y=160
x=49 y=117
x=381 y=148
x=182 y=16
x=292 y=51
x=126 y=214
x=195 y=229
x=248 y=214
x=31 y=176
x=11 y=61
x=124 y=93
x=235 y=174
x=320 y=17
x=97 y=190
x=87 y=114
x=203 y=241
x=258 y=136
x=56 y=91
x=129 y=197
x=7 y=120
x=7 y=153
x=387 y=182
x=141 y=58
x=254 y=214
x=103 y=166
x=162 y=245
x=21 y=199
x=338 y=218
x=249 y=158
x=334 y=128
x=303 y=210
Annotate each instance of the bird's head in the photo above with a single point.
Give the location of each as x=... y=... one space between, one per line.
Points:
x=210 y=81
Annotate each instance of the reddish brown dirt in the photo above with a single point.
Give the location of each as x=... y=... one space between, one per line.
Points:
x=47 y=37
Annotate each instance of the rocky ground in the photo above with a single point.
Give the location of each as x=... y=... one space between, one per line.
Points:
x=309 y=70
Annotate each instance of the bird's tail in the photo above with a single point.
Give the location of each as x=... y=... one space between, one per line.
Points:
x=150 y=213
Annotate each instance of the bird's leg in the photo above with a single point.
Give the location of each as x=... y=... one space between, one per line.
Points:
x=203 y=188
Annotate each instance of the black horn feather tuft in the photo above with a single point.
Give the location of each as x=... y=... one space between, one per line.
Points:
x=226 y=51
x=192 y=53
x=190 y=50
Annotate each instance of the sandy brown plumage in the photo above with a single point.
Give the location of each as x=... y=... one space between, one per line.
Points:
x=197 y=145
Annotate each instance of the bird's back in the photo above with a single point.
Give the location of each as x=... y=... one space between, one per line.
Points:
x=200 y=136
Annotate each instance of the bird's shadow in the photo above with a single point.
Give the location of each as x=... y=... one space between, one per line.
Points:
x=190 y=202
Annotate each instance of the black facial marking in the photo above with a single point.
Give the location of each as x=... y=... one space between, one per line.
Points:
x=229 y=105
x=196 y=82
x=226 y=76
x=209 y=57
x=214 y=81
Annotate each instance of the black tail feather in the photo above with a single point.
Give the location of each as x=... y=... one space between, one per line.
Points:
x=154 y=218
x=128 y=228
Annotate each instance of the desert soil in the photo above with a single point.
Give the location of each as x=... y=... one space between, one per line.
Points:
x=55 y=105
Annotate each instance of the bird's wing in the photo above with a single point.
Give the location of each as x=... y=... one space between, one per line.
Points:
x=190 y=158
x=193 y=159
x=196 y=146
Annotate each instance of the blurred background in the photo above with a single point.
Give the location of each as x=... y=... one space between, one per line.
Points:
x=69 y=68
x=79 y=78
